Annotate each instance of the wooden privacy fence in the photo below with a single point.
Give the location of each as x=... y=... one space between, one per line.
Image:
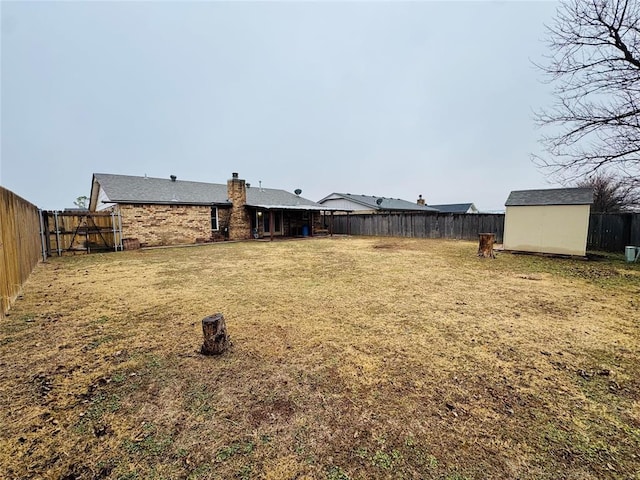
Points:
x=86 y=232
x=609 y=232
x=20 y=245
x=455 y=226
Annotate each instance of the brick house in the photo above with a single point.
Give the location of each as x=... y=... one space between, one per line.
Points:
x=159 y=211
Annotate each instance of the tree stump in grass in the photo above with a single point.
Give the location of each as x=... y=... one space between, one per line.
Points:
x=485 y=249
x=216 y=340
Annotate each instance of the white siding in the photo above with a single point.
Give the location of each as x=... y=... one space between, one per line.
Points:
x=560 y=229
x=103 y=201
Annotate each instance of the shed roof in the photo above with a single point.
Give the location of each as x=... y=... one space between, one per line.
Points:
x=552 y=196
x=132 y=189
x=371 y=202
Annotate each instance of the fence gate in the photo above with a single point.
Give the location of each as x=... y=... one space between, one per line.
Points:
x=80 y=232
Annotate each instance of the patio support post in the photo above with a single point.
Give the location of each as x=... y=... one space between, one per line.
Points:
x=271 y=225
x=331 y=225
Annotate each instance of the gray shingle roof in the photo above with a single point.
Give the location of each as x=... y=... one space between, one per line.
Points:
x=270 y=197
x=131 y=189
x=452 y=207
x=552 y=196
x=371 y=201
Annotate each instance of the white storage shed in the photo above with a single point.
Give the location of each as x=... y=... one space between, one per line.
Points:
x=548 y=221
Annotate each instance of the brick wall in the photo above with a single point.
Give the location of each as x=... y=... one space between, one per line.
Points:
x=318 y=223
x=157 y=225
x=224 y=215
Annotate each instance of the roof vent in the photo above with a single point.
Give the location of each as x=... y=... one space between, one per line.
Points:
x=379 y=201
x=173 y=178
x=297 y=191
x=248 y=185
x=234 y=175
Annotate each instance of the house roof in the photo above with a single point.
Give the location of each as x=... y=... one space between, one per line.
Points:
x=132 y=189
x=453 y=207
x=273 y=198
x=371 y=202
x=553 y=196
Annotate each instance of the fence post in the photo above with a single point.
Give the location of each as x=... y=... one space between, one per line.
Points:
x=42 y=239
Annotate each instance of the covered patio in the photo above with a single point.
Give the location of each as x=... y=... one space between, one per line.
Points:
x=271 y=221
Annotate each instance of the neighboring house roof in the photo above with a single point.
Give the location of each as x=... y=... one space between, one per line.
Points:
x=137 y=190
x=553 y=196
x=455 y=207
x=378 y=203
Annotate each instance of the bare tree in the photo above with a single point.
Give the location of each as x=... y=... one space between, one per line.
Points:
x=611 y=194
x=594 y=68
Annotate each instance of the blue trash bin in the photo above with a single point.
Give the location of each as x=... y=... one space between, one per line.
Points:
x=305 y=230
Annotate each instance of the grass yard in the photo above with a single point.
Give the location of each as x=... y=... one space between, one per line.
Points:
x=353 y=358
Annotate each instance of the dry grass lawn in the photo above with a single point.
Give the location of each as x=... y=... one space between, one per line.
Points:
x=353 y=358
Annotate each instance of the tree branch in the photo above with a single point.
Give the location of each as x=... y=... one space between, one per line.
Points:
x=594 y=67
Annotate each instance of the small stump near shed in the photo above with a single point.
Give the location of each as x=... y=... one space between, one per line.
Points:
x=216 y=340
x=485 y=249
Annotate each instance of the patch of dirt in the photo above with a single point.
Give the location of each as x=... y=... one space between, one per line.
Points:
x=593 y=272
x=388 y=246
x=277 y=411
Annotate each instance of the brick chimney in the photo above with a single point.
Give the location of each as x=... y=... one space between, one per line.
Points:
x=239 y=221
x=237 y=190
x=420 y=200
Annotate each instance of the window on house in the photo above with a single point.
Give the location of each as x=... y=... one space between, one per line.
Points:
x=214 y=218
x=277 y=222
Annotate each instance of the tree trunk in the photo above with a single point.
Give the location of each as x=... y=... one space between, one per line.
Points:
x=216 y=340
x=485 y=249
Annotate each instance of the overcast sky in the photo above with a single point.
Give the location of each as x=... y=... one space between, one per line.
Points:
x=388 y=99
